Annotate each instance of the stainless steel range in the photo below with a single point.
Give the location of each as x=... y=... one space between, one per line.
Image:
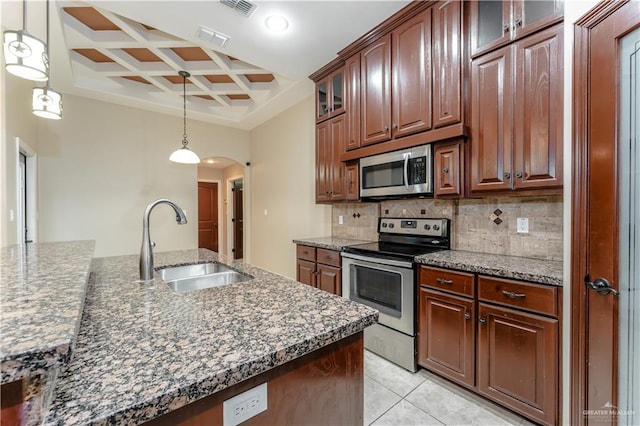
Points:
x=383 y=275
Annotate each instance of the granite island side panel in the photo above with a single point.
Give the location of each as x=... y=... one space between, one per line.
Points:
x=42 y=293
x=143 y=350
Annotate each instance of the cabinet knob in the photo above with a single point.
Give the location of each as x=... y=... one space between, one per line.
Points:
x=482 y=321
x=519 y=175
x=467 y=315
x=386 y=128
x=394 y=125
x=445 y=170
x=518 y=22
x=507 y=175
x=505 y=28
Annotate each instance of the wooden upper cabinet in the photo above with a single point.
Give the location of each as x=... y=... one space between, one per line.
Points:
x=447 y=63
x=539 y=110
x=352 y=101
x=330 y=95
x=352 y=182
x=411 y=69
x=338 y=133
x=495 y=23
x=323 y=162
x=448 y=171
x=330 y=171
x=375 y=83
x=491 y=121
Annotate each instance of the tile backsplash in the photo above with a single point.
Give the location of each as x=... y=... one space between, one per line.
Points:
x=482 y=225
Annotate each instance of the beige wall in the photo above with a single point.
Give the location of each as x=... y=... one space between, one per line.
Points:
x=207 y=173
x=102 y=163
x=283 y=185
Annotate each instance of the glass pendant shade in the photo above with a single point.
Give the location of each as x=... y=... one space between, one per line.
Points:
x=185 y=156
x=25 y=56
x=47 y=103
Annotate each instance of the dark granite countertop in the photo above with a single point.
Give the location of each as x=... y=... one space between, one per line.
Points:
x=143 y=350
x=520 y=268
x=42 y=292
x=331 y=243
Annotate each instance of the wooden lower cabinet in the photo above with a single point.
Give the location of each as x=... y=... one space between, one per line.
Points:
x=518 y=361
x=320 y=268
x=446 y=340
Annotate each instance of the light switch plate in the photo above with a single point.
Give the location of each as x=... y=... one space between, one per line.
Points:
x=340 y=220
x=522 y=225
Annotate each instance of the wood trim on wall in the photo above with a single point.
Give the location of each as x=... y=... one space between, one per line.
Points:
x=579 y=237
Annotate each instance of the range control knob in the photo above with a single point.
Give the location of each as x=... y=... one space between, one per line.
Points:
x=436 y=227
x=384 y=224
x=391 y=225
x=427 y=227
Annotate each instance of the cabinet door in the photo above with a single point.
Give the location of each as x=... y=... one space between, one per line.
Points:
x=448 y=169
x=336 y=166
x=336 y=84
x=491 y=121
x=538 y=110
x=411 y=65
x=322 y=100
x=329 y=279
x=446 y=341
x=531 y=15
x=306 y=272
x=352 y=99
x=490 y=24
x=375 y=83
x=518 y=361
x=323 y=161
x=352 y=190
x=447 y=63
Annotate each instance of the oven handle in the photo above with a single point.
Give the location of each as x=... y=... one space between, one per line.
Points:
x=406 y=156
x=381 y=261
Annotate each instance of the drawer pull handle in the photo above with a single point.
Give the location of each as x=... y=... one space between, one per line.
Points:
x=512 y=295
x=443 y=281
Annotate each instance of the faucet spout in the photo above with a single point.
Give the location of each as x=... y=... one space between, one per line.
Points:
x=146 y=253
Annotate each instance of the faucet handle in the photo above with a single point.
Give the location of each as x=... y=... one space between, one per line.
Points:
x=153 y=243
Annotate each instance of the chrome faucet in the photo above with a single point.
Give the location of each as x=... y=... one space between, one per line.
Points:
x=146 y=255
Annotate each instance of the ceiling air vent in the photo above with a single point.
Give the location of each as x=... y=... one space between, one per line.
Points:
x=242 y=6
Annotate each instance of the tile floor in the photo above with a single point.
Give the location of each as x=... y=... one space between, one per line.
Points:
x=393 y=396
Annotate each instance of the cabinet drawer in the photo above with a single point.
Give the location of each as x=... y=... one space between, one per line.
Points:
x=328 y=257
x=533 y=297
x=443 y=279
x=306 y=253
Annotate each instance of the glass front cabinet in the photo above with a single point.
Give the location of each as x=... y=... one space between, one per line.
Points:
x=330 y=95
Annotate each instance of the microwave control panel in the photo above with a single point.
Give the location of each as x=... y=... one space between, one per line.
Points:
x=417 y=170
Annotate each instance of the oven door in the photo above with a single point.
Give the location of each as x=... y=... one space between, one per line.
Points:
x=383 y=284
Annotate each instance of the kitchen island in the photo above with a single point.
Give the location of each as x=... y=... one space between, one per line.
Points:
x=143 y=351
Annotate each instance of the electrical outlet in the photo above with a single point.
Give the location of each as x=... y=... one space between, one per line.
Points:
x=244 y=406
x=522 y=225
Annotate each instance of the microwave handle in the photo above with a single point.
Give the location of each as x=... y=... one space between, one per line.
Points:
x=406 y=156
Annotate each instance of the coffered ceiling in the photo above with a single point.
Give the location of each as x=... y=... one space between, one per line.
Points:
x=130 y=52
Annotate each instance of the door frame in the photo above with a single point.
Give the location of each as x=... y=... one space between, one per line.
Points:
x=580 y=200
x=229 y=224
x=32 y=192
x=220 y=203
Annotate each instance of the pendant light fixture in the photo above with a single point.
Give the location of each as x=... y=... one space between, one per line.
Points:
x=47 y=103
x=184 y=155
x=25 y=55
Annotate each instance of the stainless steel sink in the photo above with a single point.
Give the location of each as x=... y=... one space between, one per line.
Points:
x=196 y=270
x=217 y=279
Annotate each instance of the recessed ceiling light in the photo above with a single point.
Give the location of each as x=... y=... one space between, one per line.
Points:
x=210 y=161
x=276 y=23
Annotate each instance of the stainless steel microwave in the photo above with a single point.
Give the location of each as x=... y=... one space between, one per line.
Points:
x=408 y=172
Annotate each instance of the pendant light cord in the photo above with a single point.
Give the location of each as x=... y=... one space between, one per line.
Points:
x=184 y=75
x=24 y=15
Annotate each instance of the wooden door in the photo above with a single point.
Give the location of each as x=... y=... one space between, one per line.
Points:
x=447 y=63
x=306 y=272
x=446 y=338
x=538 y=107
x=323 y=161
x=238 y=219
x=208 y=215
x=352 y=101
x=329 y=278
x=338 y=133
x=491 y=121
x=411 y=87
x=596 y=234
x=448 y=163
x=518 y=361
x=375 y=83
